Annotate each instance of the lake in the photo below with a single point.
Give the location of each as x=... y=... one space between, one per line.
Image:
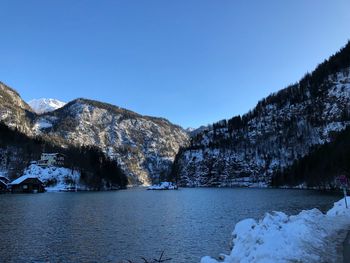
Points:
x=129 y=224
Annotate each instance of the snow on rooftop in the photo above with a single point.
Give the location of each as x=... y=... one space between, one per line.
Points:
x=310 y=236
x=55 y=178
x=23 y=178
x=2 y=176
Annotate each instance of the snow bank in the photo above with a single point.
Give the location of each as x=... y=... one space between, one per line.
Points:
x=310 y=236
x=55 y=178
x=163 y=186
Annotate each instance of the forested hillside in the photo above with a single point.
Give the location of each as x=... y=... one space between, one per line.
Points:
x=321 y=166
x=97 y=171
x=248 y=150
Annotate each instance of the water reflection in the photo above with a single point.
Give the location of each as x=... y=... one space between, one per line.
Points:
x=110 y=226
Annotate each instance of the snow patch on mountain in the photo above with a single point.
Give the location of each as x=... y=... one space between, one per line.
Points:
x=43 y=123
x=44 y=105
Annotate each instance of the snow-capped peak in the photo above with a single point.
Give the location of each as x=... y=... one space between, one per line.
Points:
x=45 y=105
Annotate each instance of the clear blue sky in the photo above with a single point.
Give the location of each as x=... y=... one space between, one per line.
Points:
x=191 y=61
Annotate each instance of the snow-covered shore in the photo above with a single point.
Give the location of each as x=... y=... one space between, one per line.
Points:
x=55 y=178
x=163 y=186
x=310 y=236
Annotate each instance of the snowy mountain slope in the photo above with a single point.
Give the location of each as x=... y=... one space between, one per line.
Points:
x=14 y=111
x=247 y=150
x=193 y=132
x=43 y=105
x=144 y=146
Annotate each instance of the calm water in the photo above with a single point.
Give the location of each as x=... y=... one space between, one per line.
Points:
x=111 y=226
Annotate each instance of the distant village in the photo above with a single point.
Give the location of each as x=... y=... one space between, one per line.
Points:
x=31 y=184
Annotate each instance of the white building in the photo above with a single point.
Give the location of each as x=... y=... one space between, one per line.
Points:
x=51 y=159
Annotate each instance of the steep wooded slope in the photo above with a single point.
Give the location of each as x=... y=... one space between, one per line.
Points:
x=249 y=149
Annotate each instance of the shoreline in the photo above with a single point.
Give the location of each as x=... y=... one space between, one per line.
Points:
x=346 y=248
x=289 y=237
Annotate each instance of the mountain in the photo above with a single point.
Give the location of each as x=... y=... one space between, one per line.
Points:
x=86 y=166
x=43 y=105
x=249 y=150
x=14 y=111
x=143 y=146
x=193 y=132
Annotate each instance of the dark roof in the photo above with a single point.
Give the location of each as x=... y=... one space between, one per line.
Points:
x=21 y=179
x=2 y=183
x=4 y=179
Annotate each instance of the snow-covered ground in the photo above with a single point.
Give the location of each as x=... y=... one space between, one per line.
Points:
x=163 y=186
x=310 y=236
x=55 y=178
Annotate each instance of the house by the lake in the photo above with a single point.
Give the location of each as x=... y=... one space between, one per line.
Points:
x=27 y=184
x=3 y=183
x=51 y=159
